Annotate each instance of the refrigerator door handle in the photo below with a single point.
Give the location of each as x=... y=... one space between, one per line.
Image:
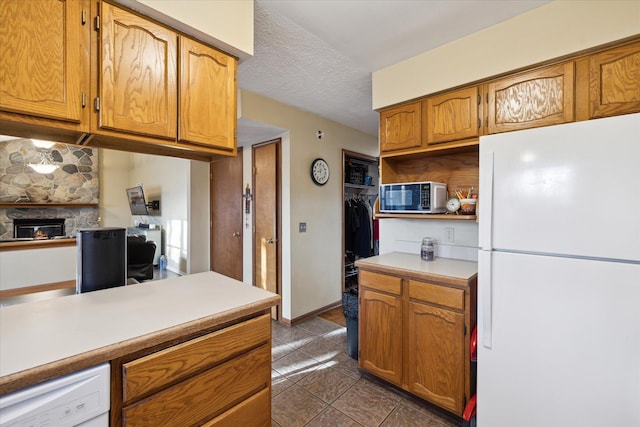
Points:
x=486 y=207
x=484 y=278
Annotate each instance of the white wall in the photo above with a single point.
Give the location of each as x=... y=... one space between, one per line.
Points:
x=313 y=261
x=32 y=267
x=181 y=186
x=550 y=31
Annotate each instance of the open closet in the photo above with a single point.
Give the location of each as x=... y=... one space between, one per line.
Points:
x=360 y=191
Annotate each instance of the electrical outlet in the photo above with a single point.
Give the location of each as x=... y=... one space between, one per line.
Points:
x=448 y=234
x=302 y=227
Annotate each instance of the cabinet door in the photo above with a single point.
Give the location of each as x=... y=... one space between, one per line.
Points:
x=380 y=335
x=452 y=116
x=44 y=66
x=615 y=81
x=436 y=370
x=138 y=75
x=539 y=98
x=207 y=96
x=400 y=127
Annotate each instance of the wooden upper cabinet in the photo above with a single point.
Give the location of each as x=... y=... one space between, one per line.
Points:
x=138 y=75
x=452 y=116
x=400 y=127
x=207 y=96
x=614 y=81
x=538 y=98
x=44 y=63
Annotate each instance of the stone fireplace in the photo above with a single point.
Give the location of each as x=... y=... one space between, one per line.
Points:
x=69 y=194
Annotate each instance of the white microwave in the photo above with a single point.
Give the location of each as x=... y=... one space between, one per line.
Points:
x=414 y=197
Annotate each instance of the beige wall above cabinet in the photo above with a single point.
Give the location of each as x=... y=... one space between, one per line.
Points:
x=400 y=127
x=138 y=75
x=452 y=116
x=537 y=98
x=44 y=60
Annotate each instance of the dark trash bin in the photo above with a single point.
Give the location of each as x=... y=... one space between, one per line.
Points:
x=350 y=311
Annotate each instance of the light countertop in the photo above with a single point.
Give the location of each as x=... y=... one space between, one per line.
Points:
x=81 y=330
x=447 y=270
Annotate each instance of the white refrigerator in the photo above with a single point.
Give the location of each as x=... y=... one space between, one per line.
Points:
x=559 y=276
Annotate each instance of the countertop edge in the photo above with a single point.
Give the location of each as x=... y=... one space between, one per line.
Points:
x=415 y=274
x=19 y=380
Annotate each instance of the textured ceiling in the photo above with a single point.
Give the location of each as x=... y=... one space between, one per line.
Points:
x=318 y=55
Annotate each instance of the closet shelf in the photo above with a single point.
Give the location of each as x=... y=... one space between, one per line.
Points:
x=426 y=216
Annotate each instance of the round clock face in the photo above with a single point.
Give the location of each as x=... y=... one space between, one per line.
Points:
x=320 y=171
x=453 y=204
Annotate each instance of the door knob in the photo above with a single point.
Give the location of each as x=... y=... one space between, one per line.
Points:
x=270 y=241
x=236 y=234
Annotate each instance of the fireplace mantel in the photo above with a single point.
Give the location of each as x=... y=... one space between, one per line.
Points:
x=18 y=245
x=47 y=205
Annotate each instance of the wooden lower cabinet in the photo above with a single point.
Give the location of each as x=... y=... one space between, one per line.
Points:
x=380 y=320
x=436 y=355
x=415 y=335
x=222 y=378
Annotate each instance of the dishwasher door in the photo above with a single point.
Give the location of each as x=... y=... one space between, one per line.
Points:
x=77 y=399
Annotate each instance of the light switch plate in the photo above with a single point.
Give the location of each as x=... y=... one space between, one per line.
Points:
x=302 y=227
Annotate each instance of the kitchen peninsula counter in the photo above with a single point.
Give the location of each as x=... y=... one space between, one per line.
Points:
x=47 y=339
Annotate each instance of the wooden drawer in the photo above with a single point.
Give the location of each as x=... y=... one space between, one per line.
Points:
x=437 y=294
x=157 y=370
x=380 y=282
x=255 y=411
x=204 y=396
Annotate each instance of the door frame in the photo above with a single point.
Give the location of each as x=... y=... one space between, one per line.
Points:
x=278 y=142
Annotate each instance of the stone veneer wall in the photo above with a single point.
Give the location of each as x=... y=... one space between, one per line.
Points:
x=75 y=181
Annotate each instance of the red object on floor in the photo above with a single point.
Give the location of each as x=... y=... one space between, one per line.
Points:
x=470 y=409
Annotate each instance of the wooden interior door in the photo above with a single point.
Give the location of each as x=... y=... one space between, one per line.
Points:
x=226 y=216
x=266 y=241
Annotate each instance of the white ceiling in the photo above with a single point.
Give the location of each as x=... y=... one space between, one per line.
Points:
x=318 y=55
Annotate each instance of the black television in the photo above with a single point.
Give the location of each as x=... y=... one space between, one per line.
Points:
x=137 y=203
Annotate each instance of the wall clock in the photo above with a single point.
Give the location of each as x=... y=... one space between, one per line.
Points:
x=319 y=171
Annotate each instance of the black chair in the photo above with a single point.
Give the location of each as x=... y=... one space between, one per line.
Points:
x=140 y=253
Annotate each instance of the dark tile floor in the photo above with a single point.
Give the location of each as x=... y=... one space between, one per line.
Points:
x=316 y=384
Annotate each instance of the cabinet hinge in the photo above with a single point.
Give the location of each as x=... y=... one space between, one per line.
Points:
x=465 y=330
x=255 y=171
x=97 y=23
x=96 y=103
x=84 y=16
x=84 y=99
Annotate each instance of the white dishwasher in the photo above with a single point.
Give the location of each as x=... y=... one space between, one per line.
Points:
x=77 y=399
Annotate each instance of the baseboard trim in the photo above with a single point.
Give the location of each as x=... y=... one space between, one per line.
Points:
x=300 y=319
x=10 y=293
